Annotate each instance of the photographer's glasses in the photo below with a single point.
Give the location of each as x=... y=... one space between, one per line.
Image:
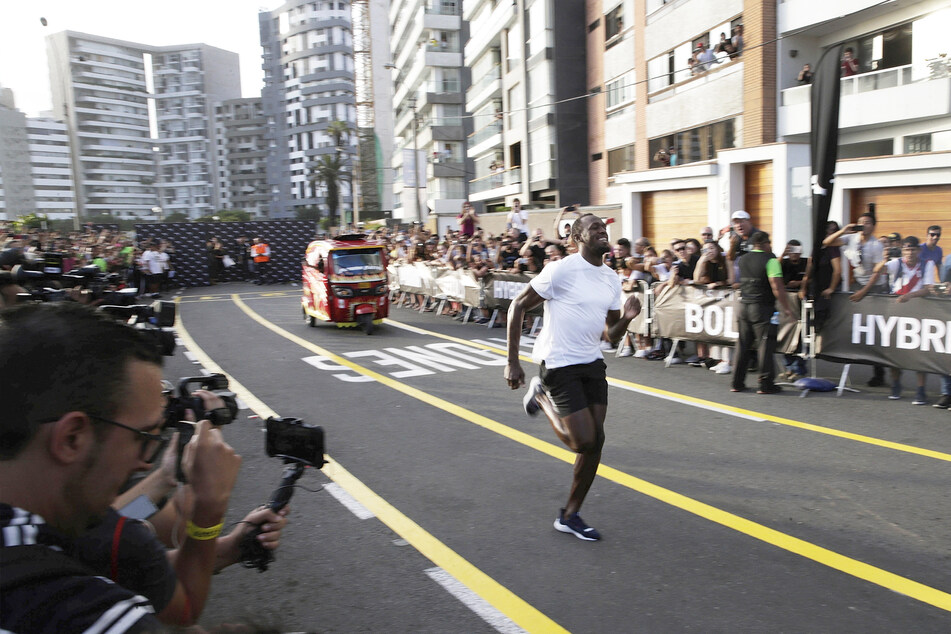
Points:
x=151 y=444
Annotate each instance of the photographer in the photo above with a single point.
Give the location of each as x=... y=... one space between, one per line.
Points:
x=127 y=551
x=83 y=409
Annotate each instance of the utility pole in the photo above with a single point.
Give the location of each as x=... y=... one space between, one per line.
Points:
x=416 y=176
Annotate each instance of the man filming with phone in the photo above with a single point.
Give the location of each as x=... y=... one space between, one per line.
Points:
x=863 y=252
x=83 y=411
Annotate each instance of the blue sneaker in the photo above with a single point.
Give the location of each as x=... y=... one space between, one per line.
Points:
x=896 y=391
x=576 y=526
x=529 y=402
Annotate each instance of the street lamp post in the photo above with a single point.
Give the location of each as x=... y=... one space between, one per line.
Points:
x=419 y=182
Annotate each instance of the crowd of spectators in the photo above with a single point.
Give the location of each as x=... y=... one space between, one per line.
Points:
x=852 y=253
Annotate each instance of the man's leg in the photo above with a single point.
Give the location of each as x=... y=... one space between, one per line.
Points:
x=765 y=336
x=744 y=344
x=583 y=433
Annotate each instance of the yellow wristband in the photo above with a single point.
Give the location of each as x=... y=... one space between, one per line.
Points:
x=202 y=534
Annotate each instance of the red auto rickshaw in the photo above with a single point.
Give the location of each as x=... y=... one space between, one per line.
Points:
x=344 y=282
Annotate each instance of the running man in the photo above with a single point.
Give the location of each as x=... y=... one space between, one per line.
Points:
x=582 y=303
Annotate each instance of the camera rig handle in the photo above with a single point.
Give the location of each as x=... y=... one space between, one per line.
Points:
x=253 y=554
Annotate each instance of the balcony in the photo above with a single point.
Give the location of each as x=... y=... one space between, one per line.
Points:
x=485 y=139
x=486 y=32
x=890 y=96
x=496 y=185
x=489 y=86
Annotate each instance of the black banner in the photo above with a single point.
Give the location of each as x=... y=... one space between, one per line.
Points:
x=914 y=335
x=288 y=240
x=824 y=139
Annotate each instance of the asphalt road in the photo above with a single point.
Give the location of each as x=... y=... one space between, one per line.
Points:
x=720 y=512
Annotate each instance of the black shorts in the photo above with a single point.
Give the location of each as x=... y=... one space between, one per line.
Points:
x=573 y=388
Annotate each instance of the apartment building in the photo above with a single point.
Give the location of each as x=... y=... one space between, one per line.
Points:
x=241 y=156
x=99 y=89
x=680 y=144
x=308 y=83
x=430 y=164
x=16 y=181
x=102 y=87
x=51 y=168
x=895 y=113
x=527 y=101
x=188 y=82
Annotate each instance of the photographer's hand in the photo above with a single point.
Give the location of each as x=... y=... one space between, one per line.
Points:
x=271 y=524
x=211 y=402
x=212 y=474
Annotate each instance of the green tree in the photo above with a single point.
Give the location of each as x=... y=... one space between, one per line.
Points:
x=234 y=215
x=176 y=216
x=330 y=171
x=338 y=131
x=310 y=212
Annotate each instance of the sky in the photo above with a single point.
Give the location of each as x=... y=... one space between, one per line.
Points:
x=228 y=24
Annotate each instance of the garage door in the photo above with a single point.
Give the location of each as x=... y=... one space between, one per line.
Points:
x=907 y=210
x=758 y=196
x=673 y=214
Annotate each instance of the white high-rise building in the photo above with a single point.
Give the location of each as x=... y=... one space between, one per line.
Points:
x=188 y=82
x=430 y=167
x=308 y=83
x=51 y=168
x=241 y=156
x=530 y=128
x=99 y=90
x=16 y=187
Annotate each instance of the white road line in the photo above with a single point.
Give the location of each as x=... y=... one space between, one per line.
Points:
x=711 y=406
x=474 y=602
x=191 y=357
x=348 y=501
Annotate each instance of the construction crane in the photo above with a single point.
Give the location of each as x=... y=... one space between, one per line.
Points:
x=368 y=200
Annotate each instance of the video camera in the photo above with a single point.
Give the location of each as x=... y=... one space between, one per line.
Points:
x=102 y=286
x=215 y=383
x=151 y=319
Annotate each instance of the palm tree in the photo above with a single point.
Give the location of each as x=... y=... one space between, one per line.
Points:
x=337 y=130
x=330 y=171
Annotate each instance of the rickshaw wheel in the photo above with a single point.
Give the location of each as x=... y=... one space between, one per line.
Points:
x=311 y=321
x=366 y=322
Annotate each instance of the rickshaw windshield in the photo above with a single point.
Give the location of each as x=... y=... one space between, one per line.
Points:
x=357 y=265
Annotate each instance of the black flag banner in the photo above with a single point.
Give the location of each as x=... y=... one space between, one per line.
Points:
x=824 y=139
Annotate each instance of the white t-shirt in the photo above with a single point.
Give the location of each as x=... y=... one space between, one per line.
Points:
x=155 y=261
x=519 y=220
x=899 y=275
x=578 y=296
x=862 y=255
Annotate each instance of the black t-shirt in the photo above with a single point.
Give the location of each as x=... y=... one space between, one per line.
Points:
x=793 y=271
x=140 y=565
x=45 y=600
x=507 y=257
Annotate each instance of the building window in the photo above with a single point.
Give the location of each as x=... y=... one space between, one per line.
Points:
x=621 y=159
x=917 y=143
x=690 y=146
x=614 y=22
x=620 y=91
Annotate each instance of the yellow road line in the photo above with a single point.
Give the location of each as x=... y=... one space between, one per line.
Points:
x=711 y=405
x=824 y=556
x=504 y=600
